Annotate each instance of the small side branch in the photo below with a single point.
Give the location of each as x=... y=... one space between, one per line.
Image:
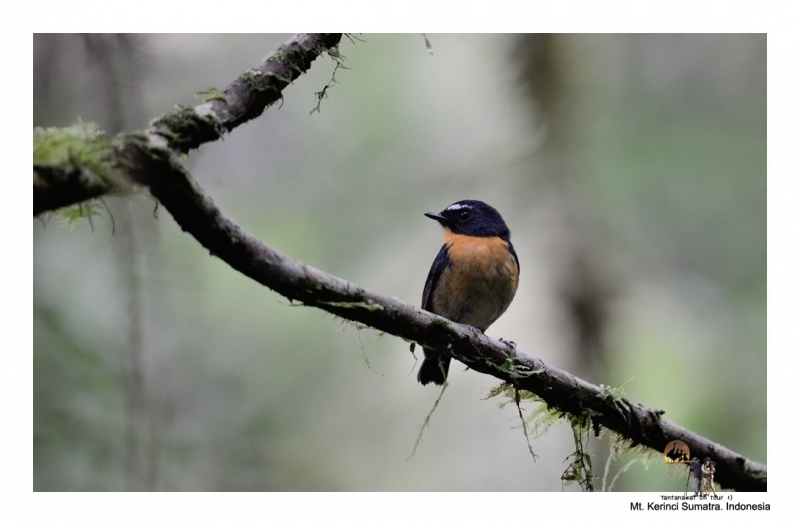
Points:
x=246 y=97
x=77 y=164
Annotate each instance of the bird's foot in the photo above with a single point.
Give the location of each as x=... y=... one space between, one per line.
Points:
x=476 y=331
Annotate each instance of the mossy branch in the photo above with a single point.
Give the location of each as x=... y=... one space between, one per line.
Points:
x=246 y=97
x=196 y=213
x=77 y=164
x=71 y=165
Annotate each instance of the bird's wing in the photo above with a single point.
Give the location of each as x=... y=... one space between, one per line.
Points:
x=439 y=264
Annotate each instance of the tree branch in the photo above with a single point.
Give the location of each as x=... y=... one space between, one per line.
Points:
x=247 y=96
x=56 y=187
x=150 y=158
x=65 y=179
x=196 y=213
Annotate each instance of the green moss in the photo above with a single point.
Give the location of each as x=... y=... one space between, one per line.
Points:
x=80 y=148
x=619 y=449
x=210 y=94
x=291 y=54
x=186 y=122
x=257 y=80
x=616 y=396
x=155 y=146
x=542 y=417
x=516 y=367
x=438 y=321
x=74 y=215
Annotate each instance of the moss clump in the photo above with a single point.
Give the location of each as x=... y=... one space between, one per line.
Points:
x=438 y=321
x=260 y=81
x=186 y=128
x=80 y=149
x=210 y=94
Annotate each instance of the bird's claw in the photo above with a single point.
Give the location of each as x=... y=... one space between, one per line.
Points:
x=476 y=331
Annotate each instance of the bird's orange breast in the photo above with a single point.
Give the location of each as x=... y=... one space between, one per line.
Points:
x=479 y=282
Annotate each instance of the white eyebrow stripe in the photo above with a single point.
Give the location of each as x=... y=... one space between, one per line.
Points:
x=457 y=207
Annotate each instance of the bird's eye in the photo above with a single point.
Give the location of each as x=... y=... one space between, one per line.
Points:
x=464 y=215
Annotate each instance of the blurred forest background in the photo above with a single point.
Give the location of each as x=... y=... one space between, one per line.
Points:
x=631 y=170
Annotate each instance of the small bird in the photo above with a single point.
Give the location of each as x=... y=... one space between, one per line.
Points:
x=473 y=278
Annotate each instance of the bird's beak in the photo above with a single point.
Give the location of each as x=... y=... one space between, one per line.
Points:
x=438 y=217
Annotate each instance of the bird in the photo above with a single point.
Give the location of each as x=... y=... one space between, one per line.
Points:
x=474 y=277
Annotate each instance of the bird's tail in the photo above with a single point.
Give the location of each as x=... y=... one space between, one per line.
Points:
x=434 y=368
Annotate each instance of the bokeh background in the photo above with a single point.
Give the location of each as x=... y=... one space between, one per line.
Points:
x=630 y=168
